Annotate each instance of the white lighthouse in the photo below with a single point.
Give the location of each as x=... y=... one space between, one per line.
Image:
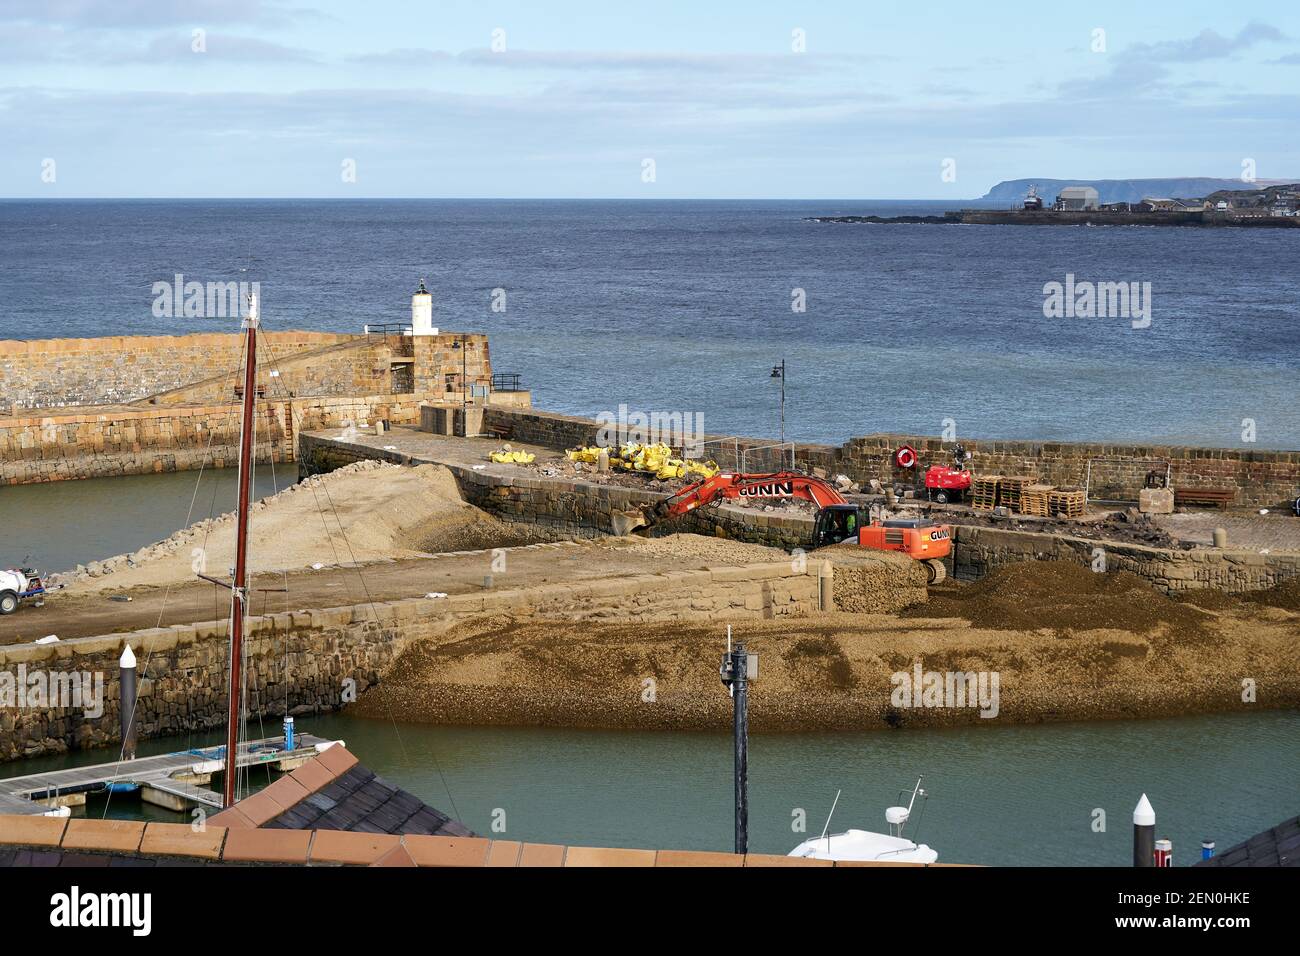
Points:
x=422 y=312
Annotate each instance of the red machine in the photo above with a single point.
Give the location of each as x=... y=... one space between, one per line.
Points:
x=837 y=519
x=943 y=483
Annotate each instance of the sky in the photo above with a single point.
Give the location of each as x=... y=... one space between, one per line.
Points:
x=753 y=99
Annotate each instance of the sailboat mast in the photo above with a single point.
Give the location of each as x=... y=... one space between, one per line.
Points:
x=239 y=590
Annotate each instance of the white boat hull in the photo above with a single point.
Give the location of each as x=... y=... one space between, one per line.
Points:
x=865 y=846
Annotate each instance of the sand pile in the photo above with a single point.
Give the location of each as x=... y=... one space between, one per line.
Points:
x=709 y=551
x=827 y=672
x=1061 y=595
x=368 y=511
x=1285 y=596
x=874 y=582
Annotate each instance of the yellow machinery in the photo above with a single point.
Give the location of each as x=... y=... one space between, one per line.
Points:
x=656 y=459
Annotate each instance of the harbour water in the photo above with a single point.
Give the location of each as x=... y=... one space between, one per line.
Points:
x=685 y=306
x=1030 y=795
x=55 y=527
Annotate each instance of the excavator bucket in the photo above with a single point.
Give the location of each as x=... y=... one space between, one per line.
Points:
x=625 y=522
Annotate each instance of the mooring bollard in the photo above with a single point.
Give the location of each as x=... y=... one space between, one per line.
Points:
x=1144 y=833
x=1220 y=538
x=127 y=696
x=826 y=587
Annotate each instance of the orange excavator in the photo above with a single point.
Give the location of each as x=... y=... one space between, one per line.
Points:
x=837 y=519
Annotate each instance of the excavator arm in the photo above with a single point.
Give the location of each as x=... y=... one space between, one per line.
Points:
x=780 y=484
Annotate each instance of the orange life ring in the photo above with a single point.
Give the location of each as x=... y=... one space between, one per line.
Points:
x=905 y=457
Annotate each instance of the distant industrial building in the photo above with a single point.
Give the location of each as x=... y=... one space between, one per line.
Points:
x=1078 y=197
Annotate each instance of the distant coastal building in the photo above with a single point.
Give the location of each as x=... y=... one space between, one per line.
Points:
x=1154 y=204
x=1078 y=197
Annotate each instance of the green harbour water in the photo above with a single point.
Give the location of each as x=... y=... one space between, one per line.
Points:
x=1000 y=795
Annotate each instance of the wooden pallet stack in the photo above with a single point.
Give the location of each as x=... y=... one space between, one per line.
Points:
x=1034 y=499
x=984 y=492
x=1064 y=503
x=1011 y=488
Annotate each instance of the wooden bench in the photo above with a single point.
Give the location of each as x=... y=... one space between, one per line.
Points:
x=1209 y=497
x=500 y=431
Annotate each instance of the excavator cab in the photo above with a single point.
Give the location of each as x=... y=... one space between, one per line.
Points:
x=836 y=523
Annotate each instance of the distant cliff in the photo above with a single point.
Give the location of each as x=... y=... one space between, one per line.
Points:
x=1125 y=190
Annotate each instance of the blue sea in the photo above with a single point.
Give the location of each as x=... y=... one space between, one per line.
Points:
x=687 y=305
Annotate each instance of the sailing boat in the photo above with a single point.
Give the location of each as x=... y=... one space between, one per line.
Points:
x=239 y=584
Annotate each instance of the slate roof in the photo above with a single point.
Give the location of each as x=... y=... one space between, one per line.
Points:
x=361 y=801
x=1279 y=846
x=333 y=791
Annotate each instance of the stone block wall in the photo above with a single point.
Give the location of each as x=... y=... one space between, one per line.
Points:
x=147 y=439
x=1261 y=478
x=578 y=509
x=979 y=550
x=299 y=661
x=583 y=509
x=442 y=370
x=359 y=366
x=58 y=373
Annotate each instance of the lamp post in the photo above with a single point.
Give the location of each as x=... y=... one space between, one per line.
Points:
x=737 y=670
x=778 y=371
x=461 y=344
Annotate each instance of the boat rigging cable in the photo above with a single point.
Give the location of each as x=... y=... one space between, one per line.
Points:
x=324 y=486
x=162 y=611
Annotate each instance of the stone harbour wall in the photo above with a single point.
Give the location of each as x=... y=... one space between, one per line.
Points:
x=578 y=509
x=1114 y=472
x=57 y=373
x=979 y=550
x=145 y=440
x=583 y=509
x=307 y=662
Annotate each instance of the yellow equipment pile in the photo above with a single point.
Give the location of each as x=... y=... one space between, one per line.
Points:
x=513 y=457
x=657 y=460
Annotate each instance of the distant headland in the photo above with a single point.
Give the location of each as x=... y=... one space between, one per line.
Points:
x=1159 y=202
x=1127 y=190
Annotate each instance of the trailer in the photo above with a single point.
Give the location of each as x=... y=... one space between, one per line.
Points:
x=18 y=585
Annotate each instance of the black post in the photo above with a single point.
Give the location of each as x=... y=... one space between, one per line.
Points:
x=739 y=667
x=126 y=677
x=1144 y=834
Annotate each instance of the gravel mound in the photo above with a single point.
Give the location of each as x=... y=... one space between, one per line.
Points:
x=1062 y=595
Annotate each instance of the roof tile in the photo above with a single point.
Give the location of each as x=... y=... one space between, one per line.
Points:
x=362 y=849
x=232 y=818
x=397 y=856
x=608 y=856
x=697 y=858
x=23 y=830
x=446 y=851
x=504 y=853
x=541 y=854
x=337 y=759
x=120 y=835
x=267 y=846
x=181 y=839
x=313 y=775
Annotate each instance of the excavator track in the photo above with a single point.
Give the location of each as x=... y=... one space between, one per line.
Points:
x=935 y=572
